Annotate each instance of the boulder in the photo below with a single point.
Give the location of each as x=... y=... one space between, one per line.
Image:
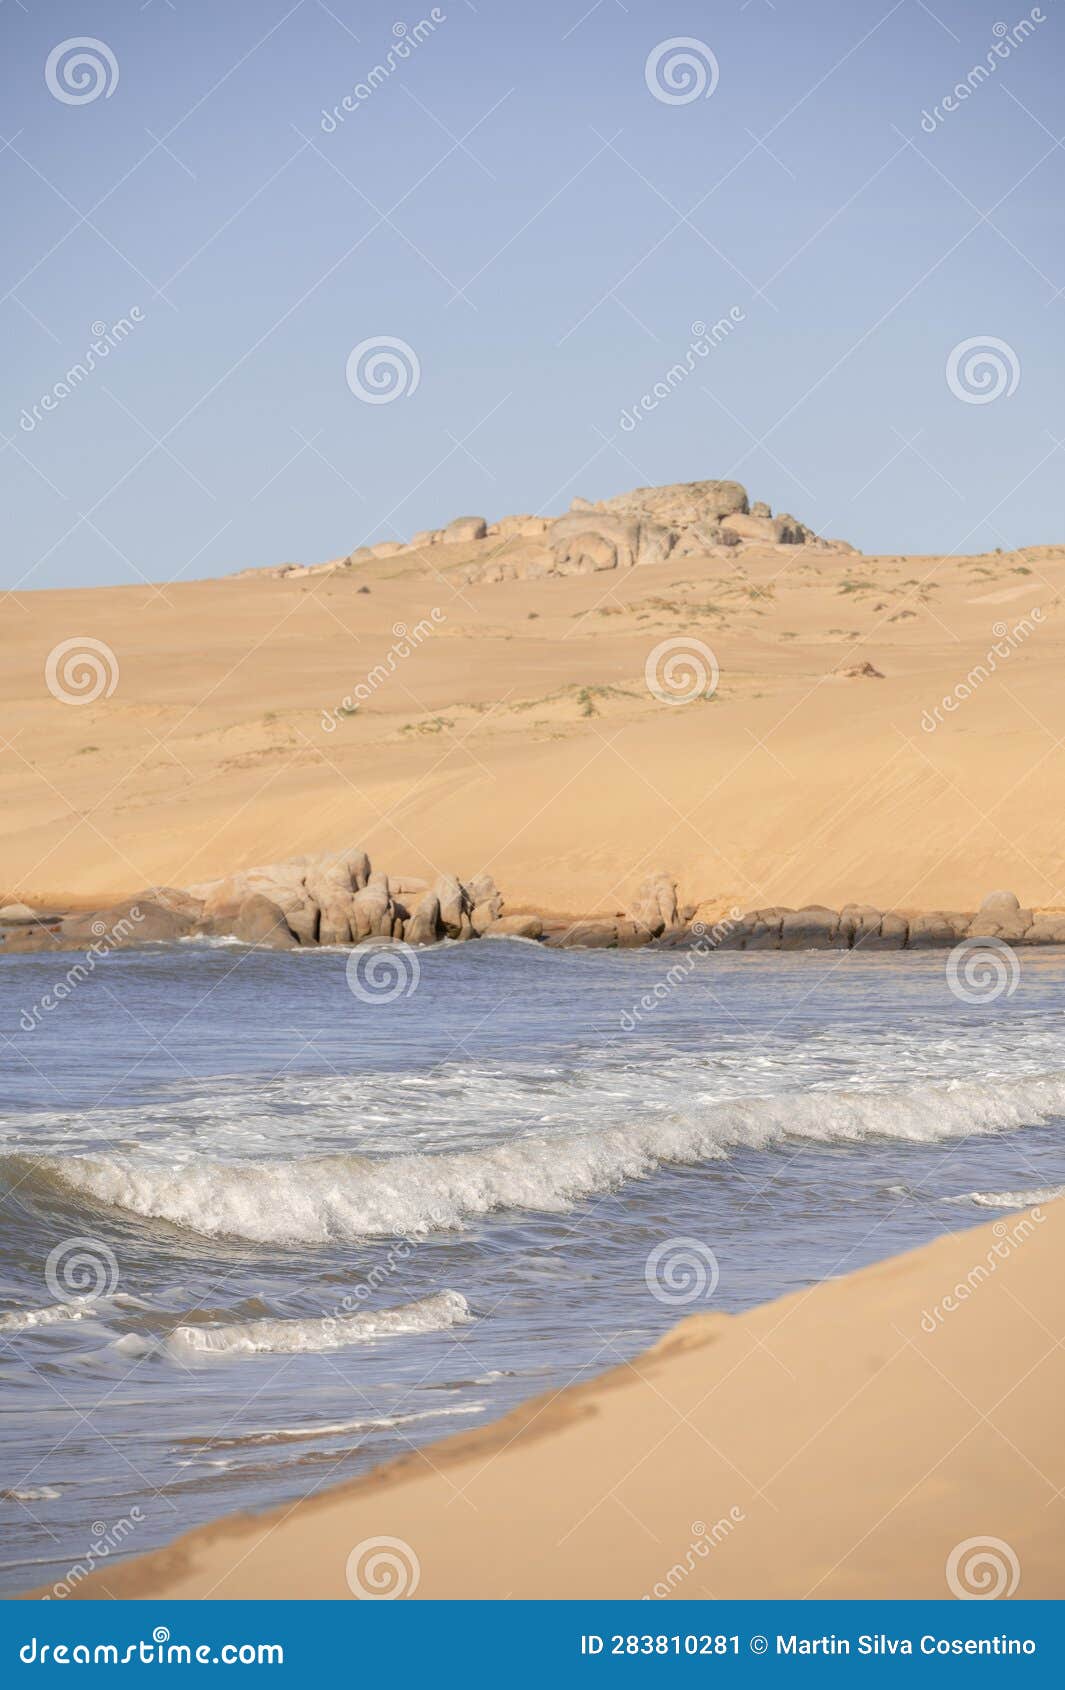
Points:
x=372 y=911
x=463 y=529
x=425 y=537
x=519 y=527
x=763 y=530
x=454 y=905
x=936 y=929
x=859 y=924
x=174 y=899
x=13 y=915
x=1046 y=930
x=260 y=922
x=596 y=935
x=654 y=905
x=679 y=504
x=1000 y=903
x=813 y=928
x=423 y=927
x=515 y=927
x=484 y=901
x=759 y=930
x=1000 y=916
x=135 y=922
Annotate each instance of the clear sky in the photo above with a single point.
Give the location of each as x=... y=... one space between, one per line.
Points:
x=516 y=203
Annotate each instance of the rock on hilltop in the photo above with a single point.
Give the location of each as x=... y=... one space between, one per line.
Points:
x=684 y=519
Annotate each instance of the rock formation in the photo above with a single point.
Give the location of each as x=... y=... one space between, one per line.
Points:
x=684 y=519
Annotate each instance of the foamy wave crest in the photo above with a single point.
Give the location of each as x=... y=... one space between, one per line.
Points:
x=331 y=1332
x=20 y=1320
x=319 y=1199
x=1010 y=1199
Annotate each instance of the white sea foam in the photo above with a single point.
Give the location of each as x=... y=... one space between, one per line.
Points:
x=248 y=1337
x=333 y=1428
x=1010 y=1199
x=38 y=1493
x=21 y=1320
x=317 y=1199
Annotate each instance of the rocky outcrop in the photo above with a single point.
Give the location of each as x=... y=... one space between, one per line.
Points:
x=682 y=519
x=654 y=906
x=644 y=527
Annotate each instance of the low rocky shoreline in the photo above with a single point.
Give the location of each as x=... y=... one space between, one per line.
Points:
x=342 y=900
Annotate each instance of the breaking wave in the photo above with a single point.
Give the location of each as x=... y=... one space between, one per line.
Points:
x=331 y=1332
x=1010 y=1199
x=318 y=1199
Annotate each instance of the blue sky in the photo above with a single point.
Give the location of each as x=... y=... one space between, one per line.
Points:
x=514 y=204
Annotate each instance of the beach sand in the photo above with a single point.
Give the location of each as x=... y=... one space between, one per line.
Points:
x=856 y=1439
x=519 y=736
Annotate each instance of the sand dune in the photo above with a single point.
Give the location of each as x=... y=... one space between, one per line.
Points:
x=519 y=734
x=890 y=1434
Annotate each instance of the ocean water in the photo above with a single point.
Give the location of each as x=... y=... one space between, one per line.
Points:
x=269 y=1220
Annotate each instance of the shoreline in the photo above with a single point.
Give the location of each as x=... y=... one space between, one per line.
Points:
x=852 y=1439
x=338 y=898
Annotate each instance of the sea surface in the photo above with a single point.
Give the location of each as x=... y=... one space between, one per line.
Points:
x=271 y=1219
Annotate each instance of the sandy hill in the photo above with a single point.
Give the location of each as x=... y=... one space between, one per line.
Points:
x=673 y=678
